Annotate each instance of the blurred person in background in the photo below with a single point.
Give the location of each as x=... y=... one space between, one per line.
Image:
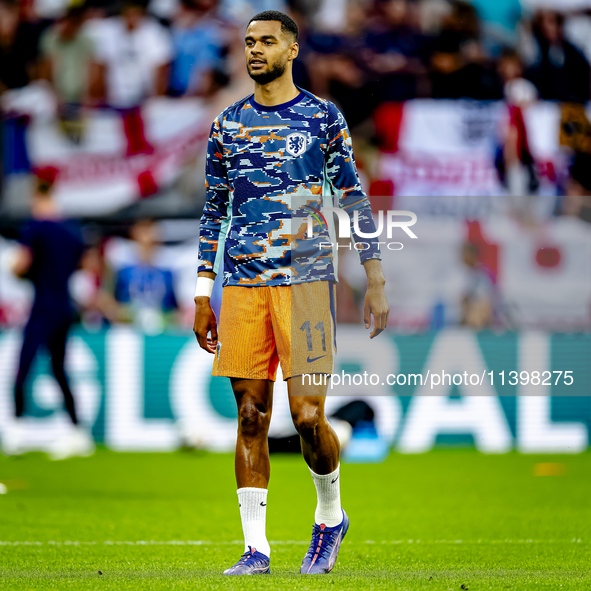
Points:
x=559 y=70
x=19 y=47
x=459 y=66
x=146 y=291
x=50 y=253
x=330 y=64
x=478 y=300
x=515 y=87
x=133 y=51
x=199 y=47
x=514 y=161
x=95 y=305
x=395 y=51
x=67 y=61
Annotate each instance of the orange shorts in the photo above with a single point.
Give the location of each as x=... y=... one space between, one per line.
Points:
x=261 y=327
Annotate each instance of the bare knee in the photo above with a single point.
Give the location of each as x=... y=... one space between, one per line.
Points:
x=254 y=409
x=252 y=419
x=306 y=419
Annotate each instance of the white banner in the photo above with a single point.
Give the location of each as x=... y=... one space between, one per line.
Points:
x=448 y=148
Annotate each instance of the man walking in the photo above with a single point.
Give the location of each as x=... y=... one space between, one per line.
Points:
x=280 y=146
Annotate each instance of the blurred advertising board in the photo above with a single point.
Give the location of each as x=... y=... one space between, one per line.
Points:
x=140 y=393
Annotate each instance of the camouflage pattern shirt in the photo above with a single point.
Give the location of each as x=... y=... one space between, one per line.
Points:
x=266 y=168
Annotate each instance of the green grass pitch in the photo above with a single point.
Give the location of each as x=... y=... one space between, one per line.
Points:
x=448 y=519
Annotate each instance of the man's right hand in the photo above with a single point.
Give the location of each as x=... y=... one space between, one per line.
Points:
x=205 y=323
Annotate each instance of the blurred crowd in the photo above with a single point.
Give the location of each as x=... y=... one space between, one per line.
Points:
x=394 y=50
x=365 y=55
x=358 y=52
x=362 y=54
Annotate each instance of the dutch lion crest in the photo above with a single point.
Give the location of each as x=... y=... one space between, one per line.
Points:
x=296 y=144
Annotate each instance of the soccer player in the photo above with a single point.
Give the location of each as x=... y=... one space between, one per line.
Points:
x=267 y=151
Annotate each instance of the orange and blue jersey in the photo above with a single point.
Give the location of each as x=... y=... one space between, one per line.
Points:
x=261 y=161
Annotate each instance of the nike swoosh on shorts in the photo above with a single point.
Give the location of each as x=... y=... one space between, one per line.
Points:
x=315 y=358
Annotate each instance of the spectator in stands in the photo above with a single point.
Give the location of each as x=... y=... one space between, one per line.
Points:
x=395 y=51
x=19 y=47
x=95 y=305
x=558 y=69
x=19 y=44
x=146 y=291
x=199 y=43
x=334 y=66
x=515 y=88
x=514 y=160
x=134 y=52
x=479 y=297
x=67 y=61
x=459 y=68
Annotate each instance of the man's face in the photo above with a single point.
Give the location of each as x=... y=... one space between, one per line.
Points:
x=133 y=15
x=268 y=50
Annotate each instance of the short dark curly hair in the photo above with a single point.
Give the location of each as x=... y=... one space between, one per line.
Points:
x=288 y=25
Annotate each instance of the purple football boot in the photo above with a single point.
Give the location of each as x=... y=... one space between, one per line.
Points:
x=324 y=548
x=251 y=563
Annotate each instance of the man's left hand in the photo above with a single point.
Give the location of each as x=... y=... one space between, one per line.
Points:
x=375 y=302
x=376 y=305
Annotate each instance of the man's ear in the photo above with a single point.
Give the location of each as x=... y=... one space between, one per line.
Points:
x=294 y=50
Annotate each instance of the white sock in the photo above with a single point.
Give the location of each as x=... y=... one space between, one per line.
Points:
x=253 y=512
x=328 y=491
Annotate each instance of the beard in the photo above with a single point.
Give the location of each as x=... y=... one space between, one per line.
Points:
x=272 y=73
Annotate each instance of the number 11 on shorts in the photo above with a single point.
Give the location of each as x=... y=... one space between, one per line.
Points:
x=319 y=327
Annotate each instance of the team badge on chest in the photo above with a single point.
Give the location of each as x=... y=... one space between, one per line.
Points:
x=296 y=144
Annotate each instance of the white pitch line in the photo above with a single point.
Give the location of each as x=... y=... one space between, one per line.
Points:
x=273 y=542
